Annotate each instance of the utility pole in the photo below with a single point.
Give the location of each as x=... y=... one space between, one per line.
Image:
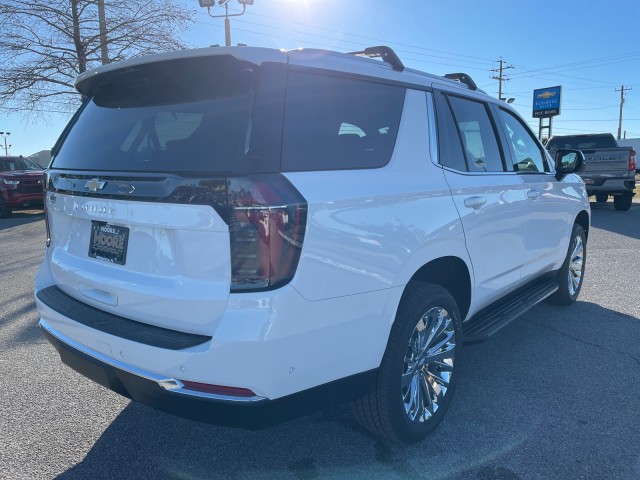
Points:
x=622 y=89
x=501 y=78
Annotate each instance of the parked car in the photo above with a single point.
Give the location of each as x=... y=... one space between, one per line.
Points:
x=242 y=235
x=609 y=169
x=20 y=185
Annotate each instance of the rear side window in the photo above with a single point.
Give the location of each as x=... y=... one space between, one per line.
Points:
x=478 y=135
x=185 y=115
x=449 y=146
x=334 y=123
x=527 y=155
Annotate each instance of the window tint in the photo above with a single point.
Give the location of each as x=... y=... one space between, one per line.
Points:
x=449 y=147
x=180 y=116
x=334 y=123
x=527 y=155
x=478 y=135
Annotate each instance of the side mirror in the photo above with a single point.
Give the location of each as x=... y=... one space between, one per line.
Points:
x=568 y=161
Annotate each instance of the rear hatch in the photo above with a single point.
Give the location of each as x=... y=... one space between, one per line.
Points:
x=144 y=195
x=609 y=162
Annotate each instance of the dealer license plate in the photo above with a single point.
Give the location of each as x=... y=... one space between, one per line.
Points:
x=108 y=242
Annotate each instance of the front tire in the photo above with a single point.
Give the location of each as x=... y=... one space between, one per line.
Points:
x=622 y=202
x=571 y=274
x=418 y=372
x=602 y=197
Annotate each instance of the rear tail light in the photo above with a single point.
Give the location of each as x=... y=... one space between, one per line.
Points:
x=267 y=222
x=632 y=160
x=45 y=182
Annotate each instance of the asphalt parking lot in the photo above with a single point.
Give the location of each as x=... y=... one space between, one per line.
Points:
x=555 y=395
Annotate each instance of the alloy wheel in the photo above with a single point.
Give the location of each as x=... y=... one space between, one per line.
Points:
x=428 y=364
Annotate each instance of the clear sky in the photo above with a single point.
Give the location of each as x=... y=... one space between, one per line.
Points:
x=589 y=48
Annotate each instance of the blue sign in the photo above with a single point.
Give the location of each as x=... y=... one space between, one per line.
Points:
x=546 y=102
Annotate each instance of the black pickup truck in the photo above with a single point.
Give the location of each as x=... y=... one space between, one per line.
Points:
x=609 y=168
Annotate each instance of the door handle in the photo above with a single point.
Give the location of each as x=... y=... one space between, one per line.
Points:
x=533 y=194
x=474 y=202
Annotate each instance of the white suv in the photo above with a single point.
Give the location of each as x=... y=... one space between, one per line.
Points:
x=241 y=235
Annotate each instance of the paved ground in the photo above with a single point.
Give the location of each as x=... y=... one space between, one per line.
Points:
x=555 y=395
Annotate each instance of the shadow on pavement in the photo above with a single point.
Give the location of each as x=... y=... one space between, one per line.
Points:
x=627 y=223
x=535 y=386
x=21 y=217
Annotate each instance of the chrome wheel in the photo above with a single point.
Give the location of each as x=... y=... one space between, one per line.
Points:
x=428 y=364
x=576 y=265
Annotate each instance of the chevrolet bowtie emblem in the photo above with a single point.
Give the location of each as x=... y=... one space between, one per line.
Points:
x=94 y=185
x=547 y=95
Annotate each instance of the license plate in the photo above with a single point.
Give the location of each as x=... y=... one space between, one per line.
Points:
x=108 y=242
x=588 y=181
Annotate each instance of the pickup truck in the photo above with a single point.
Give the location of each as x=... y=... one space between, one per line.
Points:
x=20 y=185
x=609 y=169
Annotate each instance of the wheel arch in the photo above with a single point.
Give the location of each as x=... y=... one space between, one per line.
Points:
x=582 y=219
x=450 y=273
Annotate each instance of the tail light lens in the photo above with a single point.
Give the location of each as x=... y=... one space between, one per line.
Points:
x=45 y=183
x=632 y=160
x=267 y=222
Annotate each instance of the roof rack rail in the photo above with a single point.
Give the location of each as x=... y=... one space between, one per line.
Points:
x=386 y=53
x=462 y=78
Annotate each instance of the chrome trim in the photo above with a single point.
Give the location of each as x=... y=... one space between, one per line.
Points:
x=171 y=385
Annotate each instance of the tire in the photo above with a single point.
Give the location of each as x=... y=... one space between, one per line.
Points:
x=415 y=381
x=602 y=197
x=5 y=212
x=571 y=274
x=622 y=202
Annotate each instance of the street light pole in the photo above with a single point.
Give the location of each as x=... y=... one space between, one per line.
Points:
x=6 y=148
x=227 y=24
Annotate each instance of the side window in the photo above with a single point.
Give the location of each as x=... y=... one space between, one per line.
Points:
x=334 y=123
x=477 y=134
x=527 y=155
x=450 y=151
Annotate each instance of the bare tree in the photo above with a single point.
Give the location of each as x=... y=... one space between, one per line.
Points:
x=45 y=45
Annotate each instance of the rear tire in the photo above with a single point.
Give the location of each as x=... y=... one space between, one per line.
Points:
x=571 y=274
x=5 y=212
x=622 y=202
x=416 y=378
x=602 y=197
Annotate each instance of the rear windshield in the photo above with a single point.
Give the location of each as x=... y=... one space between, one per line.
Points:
x=186 y=115
x=582 y=142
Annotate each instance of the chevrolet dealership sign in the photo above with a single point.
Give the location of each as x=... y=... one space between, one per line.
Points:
x=546 y=102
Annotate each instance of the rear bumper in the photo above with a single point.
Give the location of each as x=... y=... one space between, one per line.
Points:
x=610 y=186
x=170 y=396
